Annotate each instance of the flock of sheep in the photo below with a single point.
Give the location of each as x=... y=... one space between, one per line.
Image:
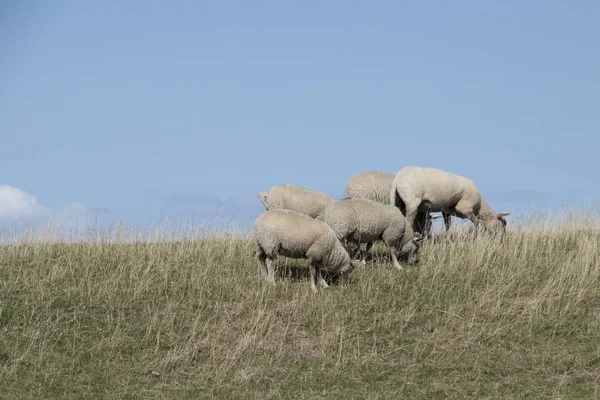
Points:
x=303 y=223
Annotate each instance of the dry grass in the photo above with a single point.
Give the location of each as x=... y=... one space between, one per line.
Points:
x=192 y=319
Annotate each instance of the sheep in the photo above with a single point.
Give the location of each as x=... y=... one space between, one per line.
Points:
x=372 y=185
x=375 y=185
x=296 y=198
x=296 y=235
x=357 y=221
x=417 y=189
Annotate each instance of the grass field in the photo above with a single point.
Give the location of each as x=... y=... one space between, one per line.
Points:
x=193 y=319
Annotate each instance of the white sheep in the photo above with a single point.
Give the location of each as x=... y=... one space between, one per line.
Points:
x=376 y=185
x=296 y=235
x=297 y=198
x=419 y=189
x=372 y=185
x=357 y=221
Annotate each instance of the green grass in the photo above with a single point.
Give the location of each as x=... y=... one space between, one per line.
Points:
x=193 y=319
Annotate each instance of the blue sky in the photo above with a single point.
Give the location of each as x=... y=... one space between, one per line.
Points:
x=138 y=110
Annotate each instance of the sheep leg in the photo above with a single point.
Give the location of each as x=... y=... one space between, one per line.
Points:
x=447 y=221
x=393 y=254
x=262 y=258
x=313 y=275
x=421 y=223
x=354 y=247
x=368 y=250
x=428 y=224
x=270 y=270
x=417 y=226
x=411 y=215
x=349 y=246
x=322 y=281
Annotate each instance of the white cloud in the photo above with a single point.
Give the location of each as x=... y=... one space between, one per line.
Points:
x=74 y=209
x=15 y=203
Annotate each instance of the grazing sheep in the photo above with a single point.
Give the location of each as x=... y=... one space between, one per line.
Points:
x=423 y=189
x=376 y=185
x=296 y=235
x=357 y=221
x=372 y=185
x=297 y=198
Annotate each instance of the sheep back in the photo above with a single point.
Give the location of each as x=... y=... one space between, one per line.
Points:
x=371 y=185
x=296 y=198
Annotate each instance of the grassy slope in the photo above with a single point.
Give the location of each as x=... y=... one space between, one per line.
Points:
x=193 y=320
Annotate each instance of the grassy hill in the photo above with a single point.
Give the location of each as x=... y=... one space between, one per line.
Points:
x=193 y=319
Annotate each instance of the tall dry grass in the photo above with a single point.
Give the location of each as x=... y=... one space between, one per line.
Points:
x=116 y=314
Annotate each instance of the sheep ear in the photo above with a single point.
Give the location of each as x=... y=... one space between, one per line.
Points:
x=504 y=214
